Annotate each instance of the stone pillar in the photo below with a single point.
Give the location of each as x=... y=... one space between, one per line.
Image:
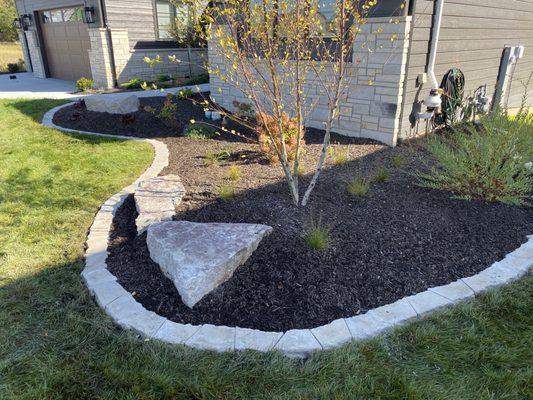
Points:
x=25 y=53
x=121 y=50
x=100 y=59
x=34 y=51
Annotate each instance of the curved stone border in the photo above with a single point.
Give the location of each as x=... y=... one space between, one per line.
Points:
x=121 y=306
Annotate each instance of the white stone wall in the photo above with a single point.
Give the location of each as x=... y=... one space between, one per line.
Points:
x=34 y=50
x=25 y=53
x=372 y=103
x=100 y=58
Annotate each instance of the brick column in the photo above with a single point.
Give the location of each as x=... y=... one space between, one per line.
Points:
x=34 y=51
x=121 y=50
x=25 y=53
x=100 y=58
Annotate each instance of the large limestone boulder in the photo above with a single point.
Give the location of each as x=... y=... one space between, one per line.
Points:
x=199 y=257
x=156 y=200
x=112 y=104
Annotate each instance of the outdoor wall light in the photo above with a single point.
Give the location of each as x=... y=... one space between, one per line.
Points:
x=89 y=14
x=17 y=24
x=26 y=21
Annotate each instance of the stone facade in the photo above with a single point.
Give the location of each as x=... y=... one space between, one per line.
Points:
x=25 y=53
x=100 y=57
x=372 y=104
x=34 y=51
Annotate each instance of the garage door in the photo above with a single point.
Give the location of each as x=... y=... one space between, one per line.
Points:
x=66 y=43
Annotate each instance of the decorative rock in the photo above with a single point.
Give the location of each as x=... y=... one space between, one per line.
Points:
x=156 y=200
x=426 y=302
x=298 y=343
x=112 y=104
x=199 y=257
x=455 y=291
x=398 y=312
x=172 y=332
x=252 y=339
x=334 y=334
x=365 y=326
x=215 y=338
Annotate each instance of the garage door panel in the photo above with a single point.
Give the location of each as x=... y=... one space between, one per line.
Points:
x=66 y=45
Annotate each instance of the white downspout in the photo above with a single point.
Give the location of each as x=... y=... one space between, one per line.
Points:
x=435 y=43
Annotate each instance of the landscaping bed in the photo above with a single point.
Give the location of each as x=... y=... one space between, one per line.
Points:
x=397 y=240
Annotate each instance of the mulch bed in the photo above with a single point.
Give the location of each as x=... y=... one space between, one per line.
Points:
x=398 y=240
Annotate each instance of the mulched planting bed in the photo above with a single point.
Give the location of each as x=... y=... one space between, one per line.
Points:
x=398 y=240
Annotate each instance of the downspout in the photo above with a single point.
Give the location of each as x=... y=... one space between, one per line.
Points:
x=103 y=25
x=435 y=33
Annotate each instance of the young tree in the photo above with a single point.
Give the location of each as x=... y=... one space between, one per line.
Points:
x=7 y=14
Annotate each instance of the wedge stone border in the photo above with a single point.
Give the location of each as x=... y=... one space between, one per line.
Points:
x=122 y=307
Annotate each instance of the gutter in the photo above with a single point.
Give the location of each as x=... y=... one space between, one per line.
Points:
x=435 y=33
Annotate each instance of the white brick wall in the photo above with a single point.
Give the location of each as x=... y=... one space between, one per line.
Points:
x=370 y=111
x=35 y=54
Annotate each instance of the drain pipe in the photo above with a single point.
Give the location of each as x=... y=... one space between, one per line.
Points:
x=103 y=25
x=434 y=101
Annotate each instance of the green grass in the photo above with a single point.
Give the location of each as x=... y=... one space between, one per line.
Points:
x=226 y=192
x=358 y=187
x=234 y=173
x=381 y=175
x=9 y=53
x=317 y=235
x=55 y=343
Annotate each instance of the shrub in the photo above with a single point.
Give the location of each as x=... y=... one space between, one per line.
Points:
x=339 y=157
x=84 y=84
x=185 y=94
x=397 y=161
x=164 y=78
x=168 y=111
x=381 y=175
x=486 y=162
x=13 y=68
x=214 y=158
x=358 y=187
x=197 y=80
x=199 y=132
x=234 y=173
x=290 y=133
x=134 y=83
x=317 y=236
x=226 y=192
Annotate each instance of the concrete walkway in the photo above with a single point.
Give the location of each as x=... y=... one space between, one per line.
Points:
x=26 y=86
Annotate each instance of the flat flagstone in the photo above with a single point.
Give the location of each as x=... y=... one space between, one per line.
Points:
x=496 y=275
x=93 y=278
x=123 y=307
x=366 y=326
x=253 y=339
x=456 y=291
x=106 y=292
x=145 y=322
x=426 y=302
x=214 y=338
x=298 y=343
x=398 y=312
x=332 y=335
x=156 y=200
x=172 y=332
x=199 y=257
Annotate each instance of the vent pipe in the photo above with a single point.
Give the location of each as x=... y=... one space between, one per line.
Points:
x=435 y=33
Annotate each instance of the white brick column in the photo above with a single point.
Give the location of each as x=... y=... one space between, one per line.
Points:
x=34 y=51
x=100 y=58
x=121 y=51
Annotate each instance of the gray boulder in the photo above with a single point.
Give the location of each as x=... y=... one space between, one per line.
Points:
x=199 y=257
x=112 y=104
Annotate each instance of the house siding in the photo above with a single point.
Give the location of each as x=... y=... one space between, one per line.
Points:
x=472 y=38
x=135 y=17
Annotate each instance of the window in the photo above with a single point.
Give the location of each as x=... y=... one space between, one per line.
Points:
x=71 y=14
x=171 y=17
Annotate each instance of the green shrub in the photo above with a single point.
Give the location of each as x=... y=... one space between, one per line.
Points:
x=358 y=187
x=163 y=78
x=199 y=132
x=317 y=235
x=234 y=173
x=184 y=94
x=486 y=162
x=397 y=161
x=13 y=68
x=226 y=192
x=84 y=84
x=339 y=157
x=197 y=80
x=214 y=158
x=381 y=175
x=134 y=83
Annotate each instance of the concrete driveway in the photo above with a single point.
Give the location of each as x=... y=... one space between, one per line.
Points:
x=27 y=87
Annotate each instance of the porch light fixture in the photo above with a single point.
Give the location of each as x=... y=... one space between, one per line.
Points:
x=26 y=21
x=17 y=24
x=89 y=15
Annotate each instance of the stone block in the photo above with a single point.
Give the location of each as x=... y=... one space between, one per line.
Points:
x=172 y=332
x=456 y=291
x=396 y=313
x=298 y=343
x=366 y=326
x=112 y=104
x=427 y=302
x=332 y=335
x=214 y=338
x=252 y=339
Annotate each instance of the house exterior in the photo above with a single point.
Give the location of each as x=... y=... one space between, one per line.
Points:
x=106 y=40
x=490 y=42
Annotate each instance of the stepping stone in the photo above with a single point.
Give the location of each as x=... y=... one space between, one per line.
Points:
x=199 y=257
x=156 y=200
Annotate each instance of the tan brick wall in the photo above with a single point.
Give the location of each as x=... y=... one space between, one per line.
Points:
x=368 y=110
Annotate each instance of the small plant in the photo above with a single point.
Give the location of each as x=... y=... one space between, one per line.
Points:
x=317 y=236
x=290 y=134
x=134 y=83
x=358 y=187
x=486 y=162
x=164 y=78
x=168 y=112
x=381 y=175
x=234 y=173
x=226 y=192
x=13 y=68
x=397 y=161
x=214 y=158
x=339 y=157
x=197 y=80
x=199 y=132
x=84 y=84
x=185 y=94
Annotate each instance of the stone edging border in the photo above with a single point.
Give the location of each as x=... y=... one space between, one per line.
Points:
x=125 y=311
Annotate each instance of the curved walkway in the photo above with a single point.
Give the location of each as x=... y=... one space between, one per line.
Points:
x=121 y=306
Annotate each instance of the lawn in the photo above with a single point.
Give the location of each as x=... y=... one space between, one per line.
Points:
x=9 y=53
x=55 y=343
